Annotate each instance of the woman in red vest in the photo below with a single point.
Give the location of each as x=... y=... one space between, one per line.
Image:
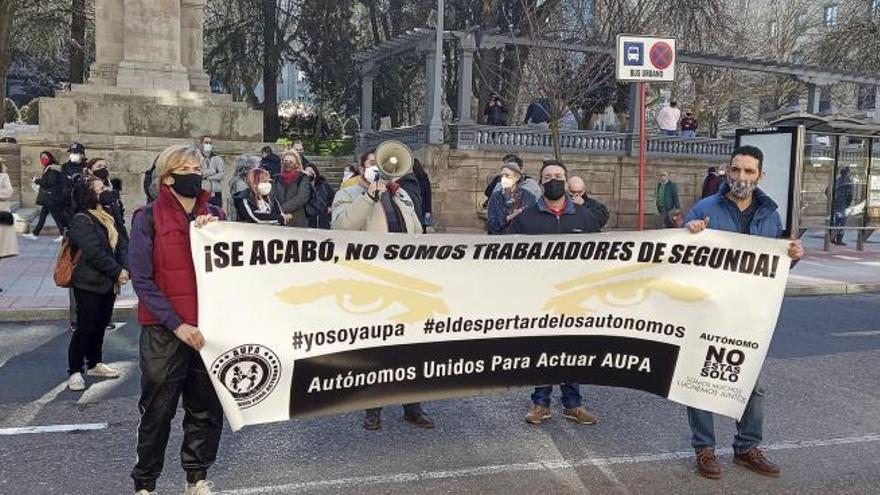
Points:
x=164 y=279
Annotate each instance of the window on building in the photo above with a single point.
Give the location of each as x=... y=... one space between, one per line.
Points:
x=831 y=16
x=734 y=113
x=825 y=100
x=772 y=28
x=874 y=7
x=866 y=97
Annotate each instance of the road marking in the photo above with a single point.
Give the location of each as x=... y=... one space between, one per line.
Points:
x=53 y=429
x=533 y=466
x=99 y=389
x=26 y=414
x=847 y=258
x=26 y=340
x=870 y=263
x=871 y=333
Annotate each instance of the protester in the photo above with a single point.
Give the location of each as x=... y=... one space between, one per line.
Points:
x=739 y=206
x=320 y=205
x=495 y=111
x=425 y=192
x=269 y=162
x=843 y=197
x=538 y=113
x=257 y=204
x=292 y=190
x=238 y=181
x=667 y=119
x=50 y=196
x=411 y=185
x=213 y=171
x=509 y=200
x=164 y=280
x=8 y=239
x=301 y=149
x=377 y=205
x=666 y=195
x=577 y=191
x=111 y=196
x=528 y=183
x=101 y=269
x=712 y=182
x=689 y=126
x=72 y=170
x=555 y=213
x=350 y=176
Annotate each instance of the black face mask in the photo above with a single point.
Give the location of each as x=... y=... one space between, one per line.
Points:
x=554 y=189
x=105 y=198
x=187 y=185
x=103 y=174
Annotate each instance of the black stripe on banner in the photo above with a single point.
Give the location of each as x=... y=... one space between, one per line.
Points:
x=379 y=376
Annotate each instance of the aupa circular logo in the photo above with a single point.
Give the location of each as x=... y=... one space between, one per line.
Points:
x=249 y=372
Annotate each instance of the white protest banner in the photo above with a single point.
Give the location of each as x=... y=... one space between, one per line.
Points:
x=301 y=323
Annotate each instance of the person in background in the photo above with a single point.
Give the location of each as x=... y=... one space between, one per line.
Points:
x=149 y=191
x=238 y=181
x=213 y=171
x=577 y=191
x=495 y=111
x=843 y=197
x=111 y=196
x=50 y=196
x=72 y=169
x=689 y=126
x=269 y=162
x=350 y=176
x=666 y=195
x=102 y=268
x=667 y=119
x=8 y=239
x=301 y=149
x=292 y=190
x=257 y=204
x=712 y=182
x=538 y=113
x=740 y=206
x=507 y=202
x=425 y=189
x=554 y=213
x=164 y=280
x=321 y=199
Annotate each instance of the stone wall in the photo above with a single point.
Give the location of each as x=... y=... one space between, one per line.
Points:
x=459 y=178
x=10 y=155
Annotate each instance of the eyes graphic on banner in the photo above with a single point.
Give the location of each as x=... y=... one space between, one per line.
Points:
x=360 y=297
x=621 y=293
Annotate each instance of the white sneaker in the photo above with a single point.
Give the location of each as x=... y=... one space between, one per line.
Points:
x=31 y=237
x=104 y=371
x=144 y=492
x=201 y=488
x=76 y=383
x=58 y=239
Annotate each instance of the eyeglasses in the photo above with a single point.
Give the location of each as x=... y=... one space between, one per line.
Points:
x=577 y=193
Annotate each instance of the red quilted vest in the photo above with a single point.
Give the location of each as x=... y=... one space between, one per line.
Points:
x=173 y=268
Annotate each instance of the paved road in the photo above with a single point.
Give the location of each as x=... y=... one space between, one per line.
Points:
x=822 y=424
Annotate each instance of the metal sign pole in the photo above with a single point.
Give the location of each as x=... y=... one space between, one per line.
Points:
x=642 y=149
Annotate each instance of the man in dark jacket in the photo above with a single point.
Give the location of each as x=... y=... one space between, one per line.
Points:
x=666 y=196
x=739 y=206
x=843 y=197
x=164 y=279
x=538 y=113
x=72 y=169
x=270 y=161
x=555 y=213
x=577 y=191
x=495 y=111
x=712 y=182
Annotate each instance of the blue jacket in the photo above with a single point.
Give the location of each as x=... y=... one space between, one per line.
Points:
x=724 y=214
x=502 y=204
x=538 y=219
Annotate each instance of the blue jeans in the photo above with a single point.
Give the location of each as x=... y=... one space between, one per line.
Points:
x=668 y=132
x=749 y=429
x=571 y=395
x=689 y=134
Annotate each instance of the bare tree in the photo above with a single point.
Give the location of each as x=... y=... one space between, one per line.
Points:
x=7 y=14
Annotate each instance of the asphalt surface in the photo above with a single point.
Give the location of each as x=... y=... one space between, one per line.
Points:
x=822 y=426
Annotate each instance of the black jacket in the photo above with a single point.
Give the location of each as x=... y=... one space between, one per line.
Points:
x=51 y=187
x=411 y=185
x=248 y=212
x=320 y=199
x=271 y=164
x=99 y=267
x=538 y=219
x=597 y=209
x=114 y=205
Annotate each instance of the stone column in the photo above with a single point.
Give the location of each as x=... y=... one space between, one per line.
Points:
x=152 y=46
x=814 y=95
x=429 y=86
x=109 y=42
x=465 y=79
x=192 y=36
x=367 y=75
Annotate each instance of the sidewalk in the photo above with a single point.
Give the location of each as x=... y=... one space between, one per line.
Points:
x=30 y=294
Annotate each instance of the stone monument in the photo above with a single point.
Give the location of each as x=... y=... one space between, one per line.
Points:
x=147 y=89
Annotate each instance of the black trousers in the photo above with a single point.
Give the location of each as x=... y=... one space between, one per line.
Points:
x=171 y=369
x=57 y=214
x=217 y=200
x=93 y=314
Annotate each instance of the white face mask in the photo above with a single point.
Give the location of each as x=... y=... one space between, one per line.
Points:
x=371 y=174
x=264 y=188
x=507 y=182
x=75 y=157
x=208 y=147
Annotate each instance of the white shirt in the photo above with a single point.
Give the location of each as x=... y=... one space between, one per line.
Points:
x=668 y=118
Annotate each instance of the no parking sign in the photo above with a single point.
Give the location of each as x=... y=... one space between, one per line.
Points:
x=645 y=58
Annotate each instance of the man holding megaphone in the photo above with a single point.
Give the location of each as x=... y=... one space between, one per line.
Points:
x=378 y=204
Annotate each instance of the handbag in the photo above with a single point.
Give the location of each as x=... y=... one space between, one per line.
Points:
x=65 y=263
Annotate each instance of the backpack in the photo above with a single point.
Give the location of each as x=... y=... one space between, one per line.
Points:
x=66 y=262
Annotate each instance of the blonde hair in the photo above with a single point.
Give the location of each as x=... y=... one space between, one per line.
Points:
x=294 y=154
x=171 y=159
